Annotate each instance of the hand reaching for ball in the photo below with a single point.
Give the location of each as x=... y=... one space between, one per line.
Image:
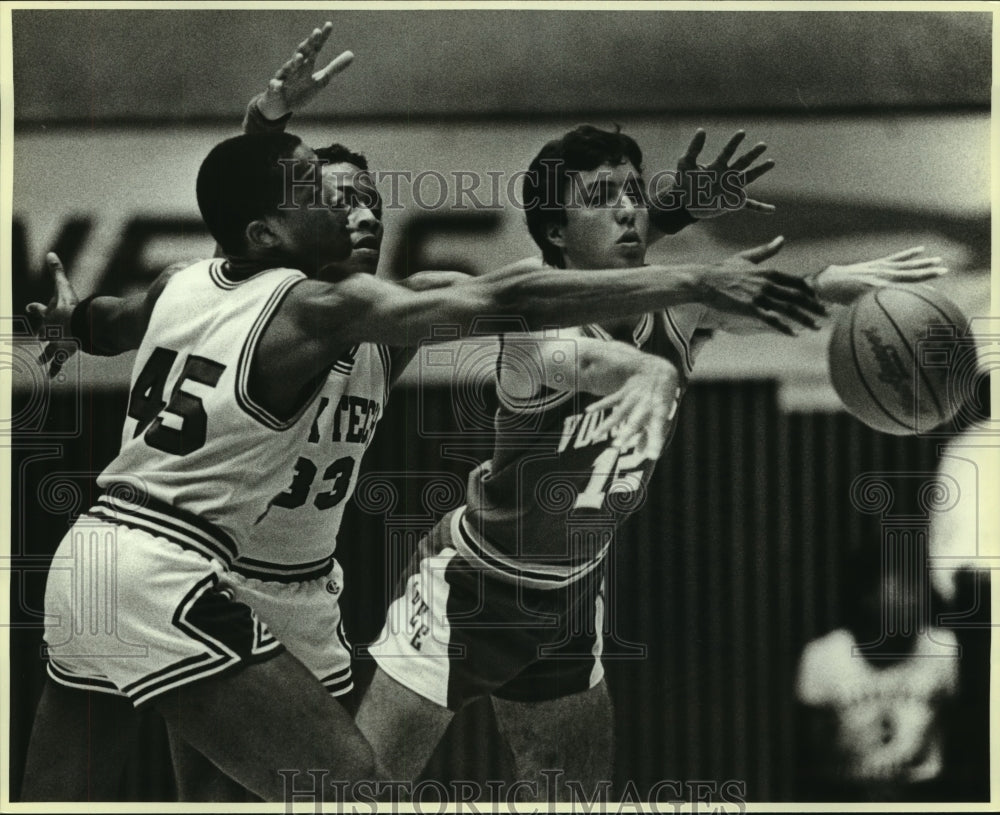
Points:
x=844 y=284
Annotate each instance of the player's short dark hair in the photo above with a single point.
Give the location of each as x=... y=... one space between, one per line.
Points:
x=240 y=181
x=338 y=154
x=582 y=149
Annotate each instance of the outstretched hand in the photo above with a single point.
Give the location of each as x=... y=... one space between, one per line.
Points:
x=641 y=409
x=738 y=286
x=51 y=323
x=714 y=189
x=844 y=284
x=297 y=81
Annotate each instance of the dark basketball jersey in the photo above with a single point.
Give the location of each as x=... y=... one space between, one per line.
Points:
x=554 y=491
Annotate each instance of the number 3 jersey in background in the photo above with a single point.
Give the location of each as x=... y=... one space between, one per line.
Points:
x=555 y=490
x=195 y=439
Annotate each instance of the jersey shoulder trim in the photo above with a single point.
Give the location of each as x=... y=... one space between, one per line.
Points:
x=243 y=398
x=386 y=356
x=678 y=338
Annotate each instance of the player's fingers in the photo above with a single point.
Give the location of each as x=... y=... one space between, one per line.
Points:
x=754 y=173
x=654 y=441
x=774 y=321
x=749 y=157
x=796 y=297
x=759 y=206
x=906 y=254
x=608 y=401
x=690 y=157
x=292 y=67
x=767 y=250
x=612 y=420
x=729 y=149
x=918 y=263
x=788 y=281
x=64 y=289
x=633 y=424
x=917 y=275
x=633 y=440
x=314 y=42
x=786 y=309
x=324 y=35
x=336 y=65
x=311 y=45
x=36 y=317
x=618 y=414
x=54 y=268
x=282 y=73
x=303 y=47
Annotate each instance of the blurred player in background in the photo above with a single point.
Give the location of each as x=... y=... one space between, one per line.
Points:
x=876 y=695
x=530 y=546
x=963 y=548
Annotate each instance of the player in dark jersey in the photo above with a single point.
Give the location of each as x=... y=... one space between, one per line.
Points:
x=505 y=596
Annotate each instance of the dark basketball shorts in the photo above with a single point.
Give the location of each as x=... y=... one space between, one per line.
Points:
x=458 y=629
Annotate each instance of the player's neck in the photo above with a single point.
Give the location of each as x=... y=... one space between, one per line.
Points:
x=241 y=267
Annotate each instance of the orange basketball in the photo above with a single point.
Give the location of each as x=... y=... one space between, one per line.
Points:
x=893 y=356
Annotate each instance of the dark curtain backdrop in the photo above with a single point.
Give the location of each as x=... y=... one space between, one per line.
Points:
x=734 y=562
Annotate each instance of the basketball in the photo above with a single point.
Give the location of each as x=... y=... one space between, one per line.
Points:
x=892 y=357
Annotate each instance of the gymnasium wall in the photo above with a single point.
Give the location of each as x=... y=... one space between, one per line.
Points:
x=118 y=204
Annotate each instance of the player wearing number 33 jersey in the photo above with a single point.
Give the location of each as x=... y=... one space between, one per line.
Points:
x=505 y=596
x=204 y=477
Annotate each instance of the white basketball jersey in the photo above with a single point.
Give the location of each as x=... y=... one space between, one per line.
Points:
x=296 y=534
x=200 y=460
x=888 y=718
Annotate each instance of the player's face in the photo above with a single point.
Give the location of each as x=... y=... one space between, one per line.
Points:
x=607 y=222
x=316 y=231
x=352 y=185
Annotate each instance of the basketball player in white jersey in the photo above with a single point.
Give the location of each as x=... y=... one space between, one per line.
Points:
x=504 y=598
x=877 y=694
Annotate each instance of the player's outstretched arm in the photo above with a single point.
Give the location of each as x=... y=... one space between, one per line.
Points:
x=105 y=326
x=374 y=310
x=295 y=84
x=696 y=192
x=330 y=317
x=323 y=320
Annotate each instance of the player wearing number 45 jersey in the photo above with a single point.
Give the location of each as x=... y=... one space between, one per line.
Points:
x=505 y=596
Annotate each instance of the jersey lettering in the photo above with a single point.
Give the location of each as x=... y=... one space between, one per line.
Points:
x=179 y=426
x=146 y=399
x=337 y=474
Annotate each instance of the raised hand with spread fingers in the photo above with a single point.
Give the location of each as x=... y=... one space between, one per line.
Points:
x=297 y=81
